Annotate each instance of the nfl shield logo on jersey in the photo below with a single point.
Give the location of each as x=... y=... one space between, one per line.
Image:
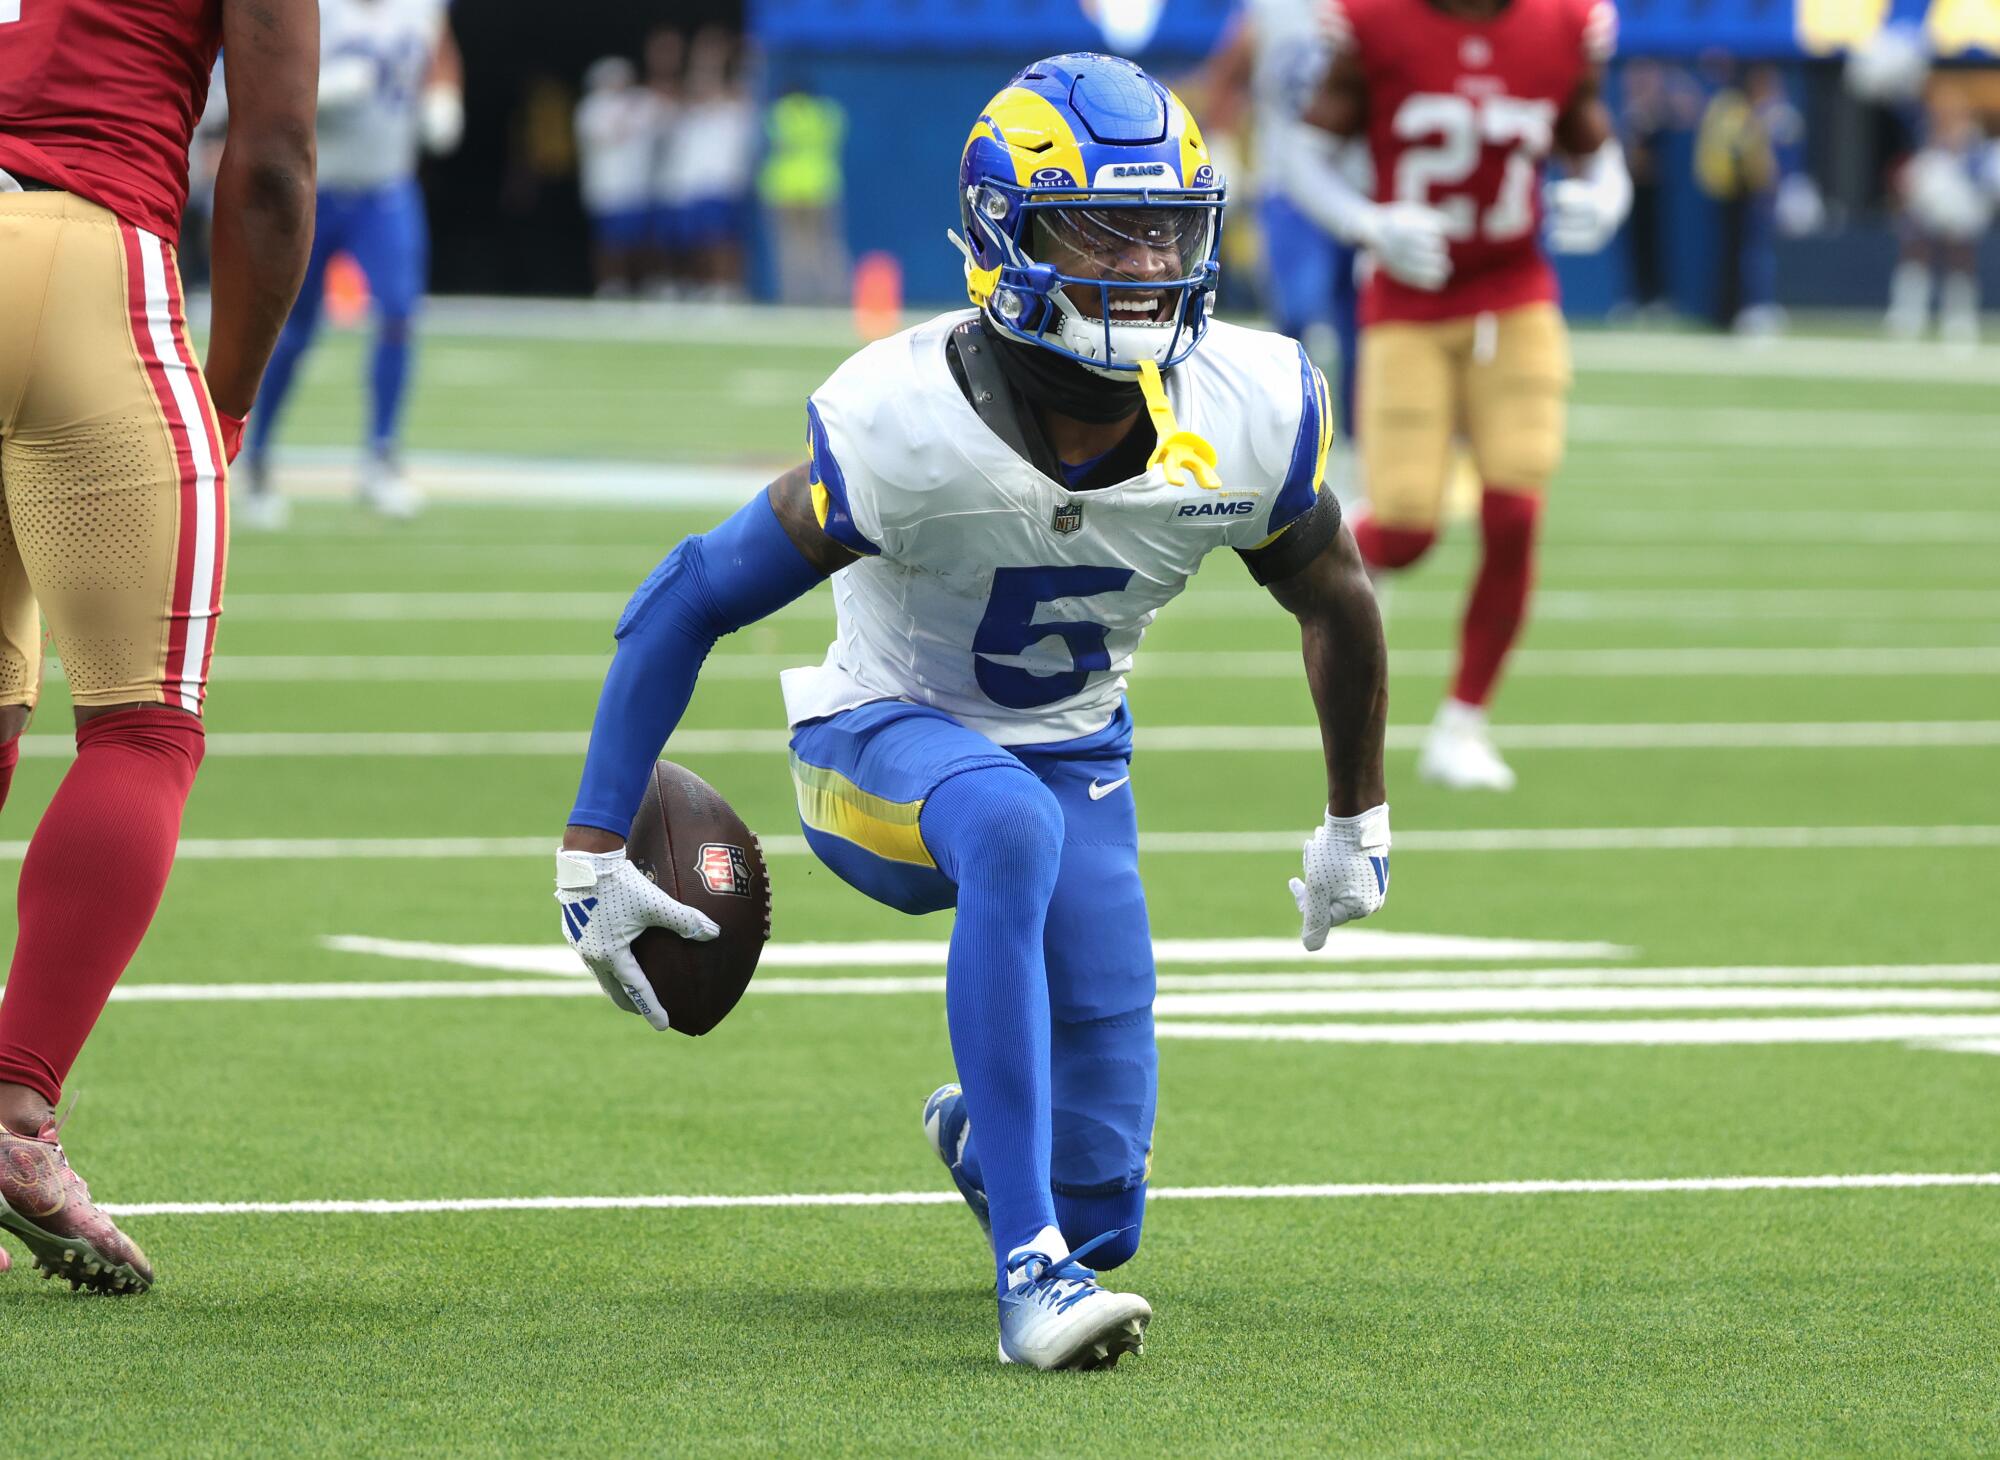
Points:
x=723 y=869
x=1068 y=518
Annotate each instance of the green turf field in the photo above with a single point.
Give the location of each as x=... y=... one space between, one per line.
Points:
x=1757 y=723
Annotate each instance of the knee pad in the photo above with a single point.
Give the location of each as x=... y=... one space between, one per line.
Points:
x=998 y=823
x=1391 y=547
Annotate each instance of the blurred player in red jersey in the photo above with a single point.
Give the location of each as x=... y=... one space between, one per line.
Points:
x=1460 y=102
x=113 y=492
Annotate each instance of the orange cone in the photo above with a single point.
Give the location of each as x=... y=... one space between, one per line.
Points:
x=878 y=295
x=346 y=290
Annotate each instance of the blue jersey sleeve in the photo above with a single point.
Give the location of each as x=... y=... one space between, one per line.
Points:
x=710 y=585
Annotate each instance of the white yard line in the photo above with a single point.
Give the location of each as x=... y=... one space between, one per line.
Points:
x=1156 y=739
x=1323 y=1191
x=1855 y=1029
x=1352 y=945
x=1819 y=428
x=1281 y=664
x=1156 y=843
x=1169 y=1006
x=1560 y=1000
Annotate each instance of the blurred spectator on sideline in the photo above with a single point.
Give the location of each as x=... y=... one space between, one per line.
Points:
x=617 y=128
x=1787 y=204
x=801 y=187
x=707 y=166
x=1643 y=121
x=1734 y=164
x=666 y=63
x=1946 y=206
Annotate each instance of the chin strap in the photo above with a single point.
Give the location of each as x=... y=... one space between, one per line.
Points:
x=1180 y=454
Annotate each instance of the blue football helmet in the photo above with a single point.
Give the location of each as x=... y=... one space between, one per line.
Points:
x=1092 y=215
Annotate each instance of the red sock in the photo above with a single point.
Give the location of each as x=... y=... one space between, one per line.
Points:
x=90 y=884
x=1391 y=547
x=10 y=756
x=1499 y=599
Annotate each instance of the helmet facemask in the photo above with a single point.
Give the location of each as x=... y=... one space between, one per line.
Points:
x=1105 y=278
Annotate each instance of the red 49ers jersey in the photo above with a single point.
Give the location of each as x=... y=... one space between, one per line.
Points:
x=1461 y=115
x=101 y=97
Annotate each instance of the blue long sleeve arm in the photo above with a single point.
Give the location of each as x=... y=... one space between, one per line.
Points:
x=710 y=585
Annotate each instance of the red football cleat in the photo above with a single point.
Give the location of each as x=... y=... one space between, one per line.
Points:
x=46 y=1205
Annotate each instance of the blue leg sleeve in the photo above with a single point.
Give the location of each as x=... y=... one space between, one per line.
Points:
x=711 y=585
x=296 y=337
x=998 y=834
x=1098 y=950
x=392 y=245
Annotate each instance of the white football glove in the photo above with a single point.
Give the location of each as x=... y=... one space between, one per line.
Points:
x=607 y=902
x=1408 y=240
x=1584 y=211
x=1347 y=873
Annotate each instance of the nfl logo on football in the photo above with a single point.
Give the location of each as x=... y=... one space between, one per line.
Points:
x=1068 y=518
x=723 y=869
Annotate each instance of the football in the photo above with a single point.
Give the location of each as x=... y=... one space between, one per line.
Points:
x=691 y=845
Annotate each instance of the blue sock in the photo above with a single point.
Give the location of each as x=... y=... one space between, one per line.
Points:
x=388 y=380
x=998 y=834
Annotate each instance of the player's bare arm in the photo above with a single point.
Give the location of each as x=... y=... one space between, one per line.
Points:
x=1585 y=122
x=1346 y=660
x=263 y=189
x=1341 y=106
x=1586 y=207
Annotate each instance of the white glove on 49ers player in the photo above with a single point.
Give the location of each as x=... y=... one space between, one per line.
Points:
x=607 y=902
x=1347 y=873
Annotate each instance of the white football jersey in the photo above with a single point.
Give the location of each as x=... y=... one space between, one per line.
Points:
x=1000 y=596
x=1289 y=57
x=372 y=140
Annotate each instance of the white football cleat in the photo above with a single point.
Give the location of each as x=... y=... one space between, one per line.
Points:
x=1053 y=1315
x=386 y=490
x=260 y=512
x=1458 y=752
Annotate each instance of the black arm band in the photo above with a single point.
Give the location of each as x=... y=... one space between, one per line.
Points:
x=1298 y=544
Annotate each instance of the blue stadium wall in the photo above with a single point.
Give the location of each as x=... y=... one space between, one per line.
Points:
x=913 y=74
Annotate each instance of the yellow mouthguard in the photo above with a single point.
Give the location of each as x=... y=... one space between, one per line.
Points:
x=1180 y=454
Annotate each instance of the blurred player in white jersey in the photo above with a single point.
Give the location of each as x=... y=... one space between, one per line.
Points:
x=617 y=128
x=1273 y=59
x=389 y=85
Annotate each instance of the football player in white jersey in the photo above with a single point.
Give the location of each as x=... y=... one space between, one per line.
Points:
x=389 y=86
x=1004 y=497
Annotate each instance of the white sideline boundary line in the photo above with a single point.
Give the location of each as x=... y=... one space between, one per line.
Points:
x=1156 y=843
x=1156 y=739
x=1323 y=1191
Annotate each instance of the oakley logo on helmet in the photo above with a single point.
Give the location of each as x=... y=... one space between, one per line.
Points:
x=1046 y=177
x=1204 y=177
